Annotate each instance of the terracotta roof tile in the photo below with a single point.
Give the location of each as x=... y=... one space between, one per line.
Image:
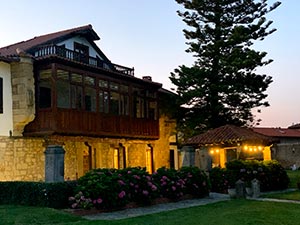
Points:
x=47 y=39
x=278 y=132
x=227 y=134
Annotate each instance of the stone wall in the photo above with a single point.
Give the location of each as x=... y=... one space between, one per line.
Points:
x=287 y=154
x=22 y=94
x=23 y=158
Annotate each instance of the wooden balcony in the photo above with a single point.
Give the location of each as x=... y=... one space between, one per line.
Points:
x=54 y=50
x=72 y=122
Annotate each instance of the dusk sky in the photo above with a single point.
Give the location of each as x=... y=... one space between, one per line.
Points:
x=147 y=35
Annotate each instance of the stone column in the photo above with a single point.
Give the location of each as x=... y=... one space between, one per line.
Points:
x=54 y=163
x=267 y=153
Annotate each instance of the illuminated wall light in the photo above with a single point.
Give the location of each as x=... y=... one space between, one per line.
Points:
x=259 y=148
x=217 y=151
x=251 y=149
x=245 y=147
x=212 y=152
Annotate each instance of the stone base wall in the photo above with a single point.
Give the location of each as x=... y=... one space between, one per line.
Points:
x=23 y=158
x=287 y=154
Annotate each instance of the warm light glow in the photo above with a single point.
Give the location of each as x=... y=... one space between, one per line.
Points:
x=212 y=152
x=217 y=151
x=253 y=148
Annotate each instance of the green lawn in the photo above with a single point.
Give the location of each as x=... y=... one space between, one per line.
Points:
x=234 y=212
x=294 y=178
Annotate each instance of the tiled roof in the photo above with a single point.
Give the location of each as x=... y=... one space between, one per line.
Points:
x=48 y=39
x=278 y=132
x=227 y=134
x=295 y=126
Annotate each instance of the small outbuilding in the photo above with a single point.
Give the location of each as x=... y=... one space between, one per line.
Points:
x=217 y=146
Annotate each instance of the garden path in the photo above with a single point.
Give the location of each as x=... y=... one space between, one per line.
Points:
x=134 y=212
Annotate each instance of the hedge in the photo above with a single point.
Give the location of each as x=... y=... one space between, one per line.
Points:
x=53 y=195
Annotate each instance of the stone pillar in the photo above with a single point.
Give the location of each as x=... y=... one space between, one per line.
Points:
x=255 y=184
x=240 y=189
x=267 y=153
x=223 y=159
x=54 y=163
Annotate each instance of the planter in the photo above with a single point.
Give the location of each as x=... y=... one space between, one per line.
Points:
x=249 y=191
x=232 y=192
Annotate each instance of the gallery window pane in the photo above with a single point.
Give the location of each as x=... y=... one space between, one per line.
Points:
x=62 y=74
x=90 y=99
x=89 y=80
x=76 y=78
x=114 y=86
x=45 y=74
x=45 y=94
x=63 y=94
x=103 y=84
x=103 y=101
x=114 y=103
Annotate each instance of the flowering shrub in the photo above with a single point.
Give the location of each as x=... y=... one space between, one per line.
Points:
x=196 y=181
x=271 y=175
x=141 y=186
x=80 y=202
x=171 y=185
x=112 y=188
x=105 y=187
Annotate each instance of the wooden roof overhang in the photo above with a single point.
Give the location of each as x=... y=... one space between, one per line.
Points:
x=229 y=136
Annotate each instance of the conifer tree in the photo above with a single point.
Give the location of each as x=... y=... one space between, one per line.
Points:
x=223 y=85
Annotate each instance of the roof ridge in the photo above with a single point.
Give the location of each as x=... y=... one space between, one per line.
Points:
x=43 y=35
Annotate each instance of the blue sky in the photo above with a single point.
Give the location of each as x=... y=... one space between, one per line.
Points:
x=147 y=35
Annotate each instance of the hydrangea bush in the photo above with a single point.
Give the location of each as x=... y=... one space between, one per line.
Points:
x=271 y=174
x=112 y=188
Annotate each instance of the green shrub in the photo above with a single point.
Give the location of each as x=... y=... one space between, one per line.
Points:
x=271 y=175
x=218 y=180
x=54 y=195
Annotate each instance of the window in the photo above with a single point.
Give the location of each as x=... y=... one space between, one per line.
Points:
x=63 y=94
x=1 y=95
x=90 y=99
x=114 y=103
x=45 y=89
x=81 y=52
x=103 y=101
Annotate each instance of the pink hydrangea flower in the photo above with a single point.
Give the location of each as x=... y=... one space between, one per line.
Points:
x=122 y=194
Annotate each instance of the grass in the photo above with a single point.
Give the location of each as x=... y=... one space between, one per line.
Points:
x=234 y=212
x=294 y=178
x=292 y=195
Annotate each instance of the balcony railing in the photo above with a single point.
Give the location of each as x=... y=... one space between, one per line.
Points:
x=50 y=50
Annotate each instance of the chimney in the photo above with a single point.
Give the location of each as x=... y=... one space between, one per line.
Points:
x=149 y=78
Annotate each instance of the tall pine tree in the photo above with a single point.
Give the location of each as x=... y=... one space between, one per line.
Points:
x=223 y=85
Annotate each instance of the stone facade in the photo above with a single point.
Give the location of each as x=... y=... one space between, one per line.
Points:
x=288 y=154
x=23 y=158
x=22 y=94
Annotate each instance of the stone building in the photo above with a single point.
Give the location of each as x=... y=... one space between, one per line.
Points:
x=59 y=91
x=287 y=149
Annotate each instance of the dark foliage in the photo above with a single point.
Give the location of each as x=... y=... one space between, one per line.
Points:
x=53 y=195
x=223 y=85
